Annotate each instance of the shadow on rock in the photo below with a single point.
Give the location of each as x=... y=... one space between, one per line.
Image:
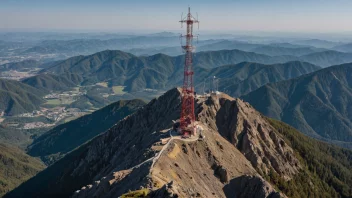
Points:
x=250 y=187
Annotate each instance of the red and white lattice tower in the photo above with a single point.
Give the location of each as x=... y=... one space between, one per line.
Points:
x=187 y=120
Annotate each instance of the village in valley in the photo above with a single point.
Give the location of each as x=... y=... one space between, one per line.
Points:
x=64 y=106
x=55 y=110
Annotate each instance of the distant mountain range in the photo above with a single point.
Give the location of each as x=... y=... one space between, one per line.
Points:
x=159 y=71
x=20 y=66
x=162 y=72
x=48 y=48
x=318 y=43
x=236 y=79
x=327 y=58
x=86 y=46
x=288 y=51
x=274 y=49
x=344 y=48
x=318 y=104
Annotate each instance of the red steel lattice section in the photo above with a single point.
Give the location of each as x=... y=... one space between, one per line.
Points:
x=187 y=120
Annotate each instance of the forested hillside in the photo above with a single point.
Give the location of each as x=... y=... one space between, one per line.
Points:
x=318 y=104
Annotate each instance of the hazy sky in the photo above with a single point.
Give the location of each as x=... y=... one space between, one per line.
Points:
x=163 y=15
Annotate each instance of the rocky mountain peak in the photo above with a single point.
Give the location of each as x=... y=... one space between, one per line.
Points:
x=236 y=148
x=250 y=132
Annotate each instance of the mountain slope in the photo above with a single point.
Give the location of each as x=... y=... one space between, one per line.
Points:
x=326 y=162
x=66 y=137
x=154 y=72
x=344 y=48
x=318 y=104
x=20 y=66
x=14 y=136
x=245 y=77
x=50 y=82
x=317 y=43
x=17 y=97
x=239 y=150
x=227 y=45
x=327 y=58
x=16 y=167
x=272 y=50
x=212 y=59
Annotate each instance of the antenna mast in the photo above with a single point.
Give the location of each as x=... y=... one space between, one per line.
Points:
x=187 y=120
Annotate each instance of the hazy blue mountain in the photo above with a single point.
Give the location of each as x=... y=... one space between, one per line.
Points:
x=163 y=34
x=274 y=49
x=203 y=45
x=344 y=48
x=288 y=45
x=37 y=37
x=228 y=45
x=20 y=66
x=318 y=104
x=327 y=58
x=86 y=46
x=318 y=43
x=281 y=51
x=171 y=51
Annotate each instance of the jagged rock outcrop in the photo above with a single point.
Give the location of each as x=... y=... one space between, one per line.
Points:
x=138 y=153
x=247 y=129
x=250 y=186
x=164 y=192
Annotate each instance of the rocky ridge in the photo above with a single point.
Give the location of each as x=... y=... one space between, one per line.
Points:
x=240 y=153
x=209 y=167
x=239 y=147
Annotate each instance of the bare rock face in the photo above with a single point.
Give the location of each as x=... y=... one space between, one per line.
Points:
x=221 y=172
x=250 y=187
x=250 y=132
x=200 y=168
x=101 y=187
x=164 y=192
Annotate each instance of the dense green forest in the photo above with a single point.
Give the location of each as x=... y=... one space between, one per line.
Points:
x=326 y=168
x=318 y=104
x=16 y=167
